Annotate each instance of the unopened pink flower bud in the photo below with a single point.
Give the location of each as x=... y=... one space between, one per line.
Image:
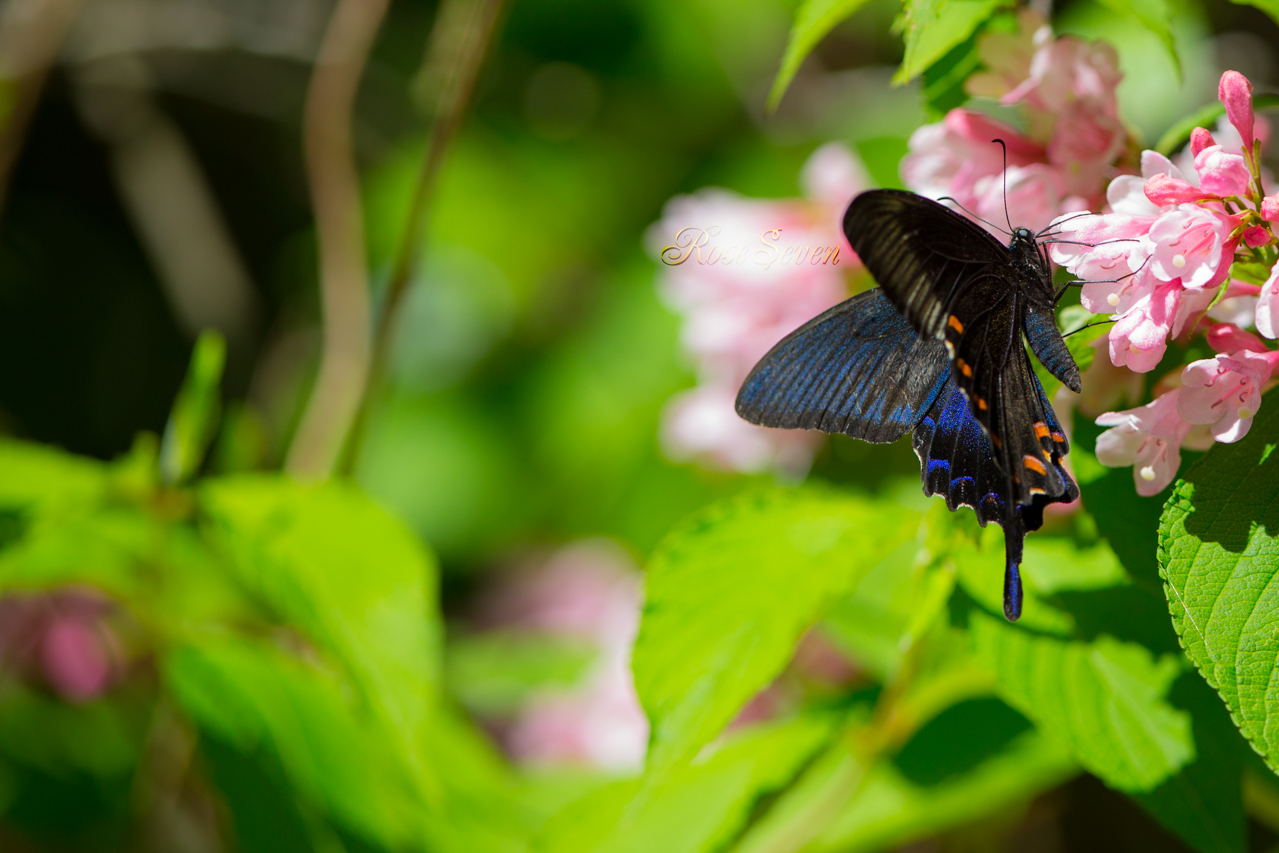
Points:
x=1256 y=236
x=1165 y=190
x=1228 y=338
x=1200 y=139
x=1235 y=92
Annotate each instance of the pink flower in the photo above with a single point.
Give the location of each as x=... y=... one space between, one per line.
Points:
x=1268 y=306
x=1235 y=92
x=77 y=662
x=743 y=273
x=1238 y=305
x=1148 y=438
x=1270 y=207
x=1224 y=392
x=1140 y=337
x=702 y=423
x=588 y=591
x=950 y=158
x=62 y=638
x=1007 y=56
x=1192 y=244
x=1222 y=174
x=1229 y=338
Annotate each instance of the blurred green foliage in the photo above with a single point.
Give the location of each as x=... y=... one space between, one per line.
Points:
x=301 y=667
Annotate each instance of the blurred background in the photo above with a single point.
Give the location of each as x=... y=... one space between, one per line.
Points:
x=542 y=404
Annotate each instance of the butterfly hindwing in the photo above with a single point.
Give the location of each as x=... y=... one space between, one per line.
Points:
x=857 y=369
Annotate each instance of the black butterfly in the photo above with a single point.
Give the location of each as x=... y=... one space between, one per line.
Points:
x=936 y=348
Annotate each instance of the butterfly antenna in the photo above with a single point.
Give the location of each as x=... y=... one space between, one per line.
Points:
x=1004 y=145
x=955 y=201
x=1088 y=326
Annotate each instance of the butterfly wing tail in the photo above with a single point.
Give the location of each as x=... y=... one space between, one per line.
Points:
x=1014 y=538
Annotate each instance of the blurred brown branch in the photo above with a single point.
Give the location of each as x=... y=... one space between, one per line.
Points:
x=455 y=53
x=31 y=33
x=335 y=194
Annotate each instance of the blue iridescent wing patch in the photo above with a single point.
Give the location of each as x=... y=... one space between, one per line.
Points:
x=857 y=369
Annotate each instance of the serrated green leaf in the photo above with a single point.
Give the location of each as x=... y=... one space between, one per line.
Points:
x=813 y=21
x=931 y=28
x=1154 y=15
x=1105 y=700
x=352 y=578
x=1219 y=556
x=731 y=591
x=697 y=806
x=252 y=696
x=1203 y=802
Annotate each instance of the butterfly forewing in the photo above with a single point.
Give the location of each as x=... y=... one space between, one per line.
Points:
x=923 y=255
x=858 y=369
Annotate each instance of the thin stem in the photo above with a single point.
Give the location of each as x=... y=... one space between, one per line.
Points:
x=31 y=33
x=335 y=193
x=455 y=54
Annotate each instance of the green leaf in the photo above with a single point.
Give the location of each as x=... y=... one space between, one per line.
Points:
x=1105 y=700
x=1203 y=802
x=194 y=419
x=731 y=591
x=944 y=80
x=35 y=479
x=345 y=573
x=1154 y=15
x=891 y=810
x=252 y=696
x=931 y=28
x=1219 y=557
x=697 y=806
x=493 y=673
x=813 y=21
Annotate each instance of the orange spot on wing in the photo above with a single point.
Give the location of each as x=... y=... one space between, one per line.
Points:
x=1033 y=463
x=1059 y=438
x=954 y=323
x=981 y=403
x=1041 y=429
x=963 y=367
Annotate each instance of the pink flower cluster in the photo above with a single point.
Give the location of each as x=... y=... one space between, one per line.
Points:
x=746 y=273
x=1075 y=140
x=589 y=592
x=62 y=639
x=1158 y=262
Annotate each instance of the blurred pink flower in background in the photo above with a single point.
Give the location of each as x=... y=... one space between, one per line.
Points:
x=757 y=276
x=63 y=639
x=1074 y=141
x=589 y=591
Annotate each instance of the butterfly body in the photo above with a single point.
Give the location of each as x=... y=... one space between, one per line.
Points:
x=937 y=350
